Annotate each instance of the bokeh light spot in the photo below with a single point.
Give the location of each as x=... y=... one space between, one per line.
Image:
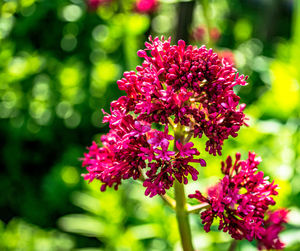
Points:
x=72 y=13
x=73 y=121
x=70 y=175
x=68 y=42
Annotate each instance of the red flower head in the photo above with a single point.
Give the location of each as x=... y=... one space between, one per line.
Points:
x=179 y=85
x=273 y=226
x=240 y=201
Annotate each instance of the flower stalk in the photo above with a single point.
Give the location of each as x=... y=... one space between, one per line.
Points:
x=182 y=217
x=181 y=205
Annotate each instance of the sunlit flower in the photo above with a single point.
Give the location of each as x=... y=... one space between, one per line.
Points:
x=240 y=201
x=192 y=84
x=176 y=86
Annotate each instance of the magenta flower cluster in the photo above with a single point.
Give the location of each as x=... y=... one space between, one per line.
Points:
x=187 y=92
x=130 y=147
x=241 y=200
x=191 y=85
x=273 y=226
x=185 y=86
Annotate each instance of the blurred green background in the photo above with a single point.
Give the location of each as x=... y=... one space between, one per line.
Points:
x=59 y=62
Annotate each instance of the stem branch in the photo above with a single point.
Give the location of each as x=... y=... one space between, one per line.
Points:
x=181 y=205
x=197 y=208
x=169 y=201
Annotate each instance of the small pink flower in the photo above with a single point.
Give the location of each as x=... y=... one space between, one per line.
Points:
x=186 y=150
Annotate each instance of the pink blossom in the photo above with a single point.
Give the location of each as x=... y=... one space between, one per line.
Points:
x=186 y=150
x=160 y=139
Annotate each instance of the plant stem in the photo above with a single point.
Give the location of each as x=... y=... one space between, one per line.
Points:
x=181 y=205
x=182 y=217
x=197 y=208
x=169 y=201
x=233 y=245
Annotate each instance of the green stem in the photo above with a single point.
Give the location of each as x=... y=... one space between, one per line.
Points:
x=197 y=208
x=181 y=205
x=182 y=217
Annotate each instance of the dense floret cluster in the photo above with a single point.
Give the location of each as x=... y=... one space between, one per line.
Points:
x=130 y=147
x=241 y=200
x=187 y=87
x=192 y=85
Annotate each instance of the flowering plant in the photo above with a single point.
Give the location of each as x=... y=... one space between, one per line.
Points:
x=185 y=92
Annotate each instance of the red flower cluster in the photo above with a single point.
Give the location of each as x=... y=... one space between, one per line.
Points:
x=130 y=147
x=190 y=84
x=273 y=226
x=182 y=85
x=241 y=200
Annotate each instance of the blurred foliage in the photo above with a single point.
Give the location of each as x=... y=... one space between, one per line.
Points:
x=19 y=235
x=59 y=62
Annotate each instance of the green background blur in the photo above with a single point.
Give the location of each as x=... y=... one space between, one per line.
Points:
x=59 y=62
